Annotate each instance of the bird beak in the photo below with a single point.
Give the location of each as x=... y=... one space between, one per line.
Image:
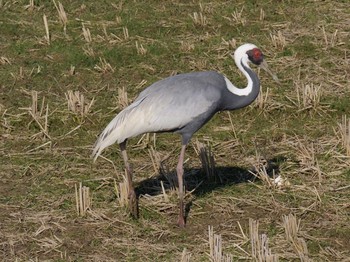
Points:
x=264 y=66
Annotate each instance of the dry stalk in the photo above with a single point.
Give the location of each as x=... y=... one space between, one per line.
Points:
x=233 y=43
x=262 y=14
x=77 y=103
x=199 y=64
x=237 y=17
x=4 y=60
x=308 y=96
x=104 y=66
x=82 y=199
x=207 y=160
x=89 y=51
x=122 y=97
x=118 y=20
x=38 y=115
x=344 y=127
x=141 y=84
x=30 y=6
x=171 y=177
x=86 y=34
x=47 y=36
x=199 y=19
x=156 y=159
x=215 y=245
x=140 y=49
x=278 y=41
x=261 y=101
x=291 y=228
x=72 y=70
x=122 y=192
x=185 y=256
x=166 y=197
x=186 y=46
x=62 y=15
x=261 y=174
x=206 y=8
x=332 y=42
x=260 y=244
x=125 y=33
x=143 y=142
x=307 y=157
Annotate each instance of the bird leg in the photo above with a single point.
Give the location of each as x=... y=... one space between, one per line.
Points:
x=180 y=172
x=133 y=203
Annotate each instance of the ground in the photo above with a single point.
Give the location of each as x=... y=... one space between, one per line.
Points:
x=66 y=68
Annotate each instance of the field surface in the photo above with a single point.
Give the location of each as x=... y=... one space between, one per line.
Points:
x=67 y=68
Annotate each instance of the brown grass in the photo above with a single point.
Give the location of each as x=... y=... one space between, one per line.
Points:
x=62 y=15
x=199 y=19
x=296 y=132
x=86 y=33
x=260 y=244
x=46 y=24
x=291 y=228
x=77 y=103
x=83 y=199
x=344 y=127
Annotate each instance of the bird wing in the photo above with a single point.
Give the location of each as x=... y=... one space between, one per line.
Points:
x=167 y=105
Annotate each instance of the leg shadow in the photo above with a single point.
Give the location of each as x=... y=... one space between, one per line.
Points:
x=198 y=181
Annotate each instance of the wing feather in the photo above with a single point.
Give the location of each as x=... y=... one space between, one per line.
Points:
x=167 y=105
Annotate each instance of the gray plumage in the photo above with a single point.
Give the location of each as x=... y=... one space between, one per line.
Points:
x=182 y=104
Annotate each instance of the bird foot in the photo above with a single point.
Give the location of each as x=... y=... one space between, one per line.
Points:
x=133 y=205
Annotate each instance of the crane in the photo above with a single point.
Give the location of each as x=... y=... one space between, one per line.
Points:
x=181 y=104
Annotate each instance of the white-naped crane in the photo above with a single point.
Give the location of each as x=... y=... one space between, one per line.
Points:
x=181 y=104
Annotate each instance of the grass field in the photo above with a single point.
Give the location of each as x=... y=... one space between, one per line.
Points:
x=66 y=68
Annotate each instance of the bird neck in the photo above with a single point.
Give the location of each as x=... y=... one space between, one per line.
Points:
x=241 y=97
x=253 y=80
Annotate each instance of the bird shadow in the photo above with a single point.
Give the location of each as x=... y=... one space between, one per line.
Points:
x=199 y=182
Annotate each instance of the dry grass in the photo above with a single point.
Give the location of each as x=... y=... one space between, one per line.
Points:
x=77 y=103
x=185 y=256
x=125 y=33
x=215 y=246
x=199 y=19
x=308 y=96
x=122 y=192
x=123 y=100
x=46 y=24
x=260 y=244
x=278 y=40
x=40 y=115
x=207 y=160
x=280 y=167
x=86 y=34
x=140 y=49
x=291 y=228
x=103 y=66
x=62 y=15
x=83 y=199
x=344 y=128
x=237 y=17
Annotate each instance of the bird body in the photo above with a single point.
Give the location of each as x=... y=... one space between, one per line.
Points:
x=182 y=104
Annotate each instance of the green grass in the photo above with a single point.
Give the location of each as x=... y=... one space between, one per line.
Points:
x=38 y=174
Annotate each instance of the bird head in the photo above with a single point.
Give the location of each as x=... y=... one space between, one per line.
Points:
x=250 y=53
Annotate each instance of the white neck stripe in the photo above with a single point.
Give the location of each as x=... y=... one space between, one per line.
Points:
x=240 y=91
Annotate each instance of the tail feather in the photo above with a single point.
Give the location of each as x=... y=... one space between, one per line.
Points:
x=109 y=136
x=114 y=131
